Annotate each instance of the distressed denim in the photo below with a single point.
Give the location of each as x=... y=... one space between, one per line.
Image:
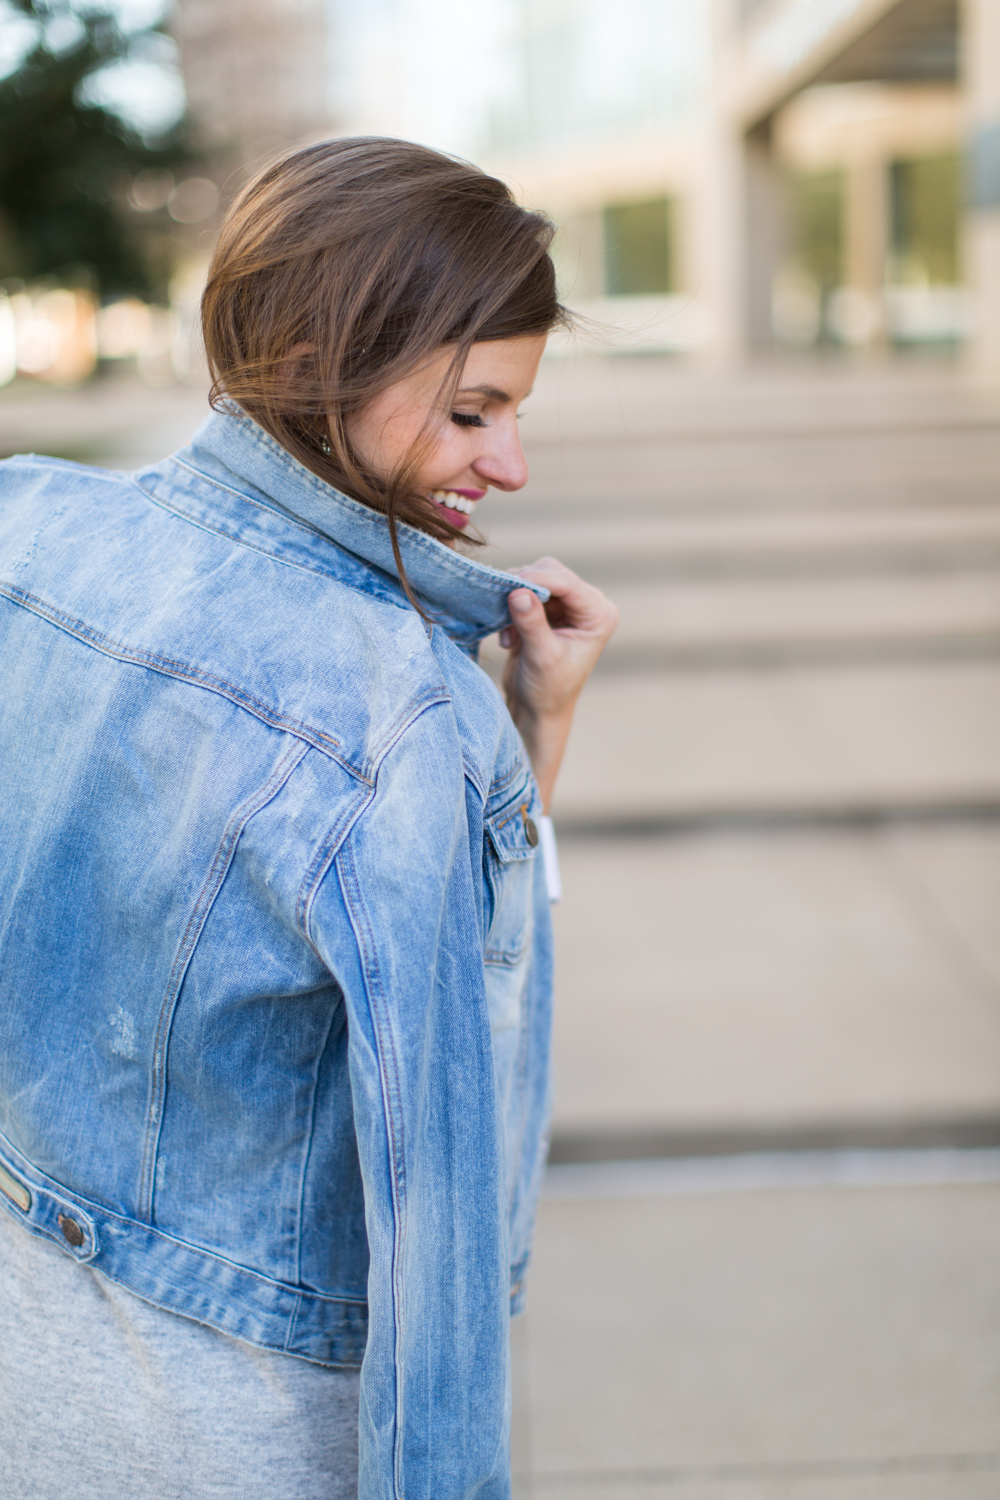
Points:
x=275 y=975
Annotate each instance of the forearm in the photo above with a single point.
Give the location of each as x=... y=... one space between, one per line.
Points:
x=545 y=737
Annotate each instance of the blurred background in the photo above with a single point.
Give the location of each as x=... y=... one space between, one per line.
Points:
x=767 y=1259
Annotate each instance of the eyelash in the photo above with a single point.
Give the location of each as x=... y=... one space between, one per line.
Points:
x=466 y=419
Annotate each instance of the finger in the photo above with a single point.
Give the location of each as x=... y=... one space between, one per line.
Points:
x=560 y=581
x=545 y=567
x=573 y=604
x=541 y=562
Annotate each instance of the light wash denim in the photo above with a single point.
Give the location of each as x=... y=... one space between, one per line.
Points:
x=275 y=978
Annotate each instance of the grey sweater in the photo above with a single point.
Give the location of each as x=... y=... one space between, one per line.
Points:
x=107 y=1398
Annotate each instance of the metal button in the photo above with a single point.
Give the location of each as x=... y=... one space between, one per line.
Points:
x=530 y=831
x=72 y=1233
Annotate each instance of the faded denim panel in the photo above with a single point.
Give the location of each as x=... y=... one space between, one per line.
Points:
x=275 y=969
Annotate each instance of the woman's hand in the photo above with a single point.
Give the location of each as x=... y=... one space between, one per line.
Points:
x=553 y=649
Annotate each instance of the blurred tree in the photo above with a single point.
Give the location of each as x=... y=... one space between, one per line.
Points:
x=66 y=164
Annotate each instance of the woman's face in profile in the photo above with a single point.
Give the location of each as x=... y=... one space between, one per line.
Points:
x=474 y=445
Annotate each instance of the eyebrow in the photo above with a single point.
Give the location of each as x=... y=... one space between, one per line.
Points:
x=491 y=392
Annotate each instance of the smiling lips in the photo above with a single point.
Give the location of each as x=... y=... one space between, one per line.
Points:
x=458 y=505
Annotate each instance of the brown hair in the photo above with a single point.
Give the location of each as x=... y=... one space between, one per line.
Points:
x=342 y=268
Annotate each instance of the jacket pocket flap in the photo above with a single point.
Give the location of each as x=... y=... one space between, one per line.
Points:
x=513 y=833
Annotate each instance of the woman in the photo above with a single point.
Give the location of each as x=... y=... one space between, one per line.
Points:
x=275 y=972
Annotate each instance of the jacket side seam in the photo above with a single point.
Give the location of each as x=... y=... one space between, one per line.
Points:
x=185 y=948
x=289 y=1336
x=389 y=1078
x=307 y=1154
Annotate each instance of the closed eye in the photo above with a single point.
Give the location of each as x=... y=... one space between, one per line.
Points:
x=467 y=419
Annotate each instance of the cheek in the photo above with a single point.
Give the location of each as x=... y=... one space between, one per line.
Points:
x=384 y=435
x=447 y=454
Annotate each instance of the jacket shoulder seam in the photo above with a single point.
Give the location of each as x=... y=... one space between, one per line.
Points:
x=338 y=833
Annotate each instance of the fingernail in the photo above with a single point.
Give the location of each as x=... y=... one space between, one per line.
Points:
x=520 y=601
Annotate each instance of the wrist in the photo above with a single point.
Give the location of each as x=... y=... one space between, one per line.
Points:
x=545 y=733
x=538 y=725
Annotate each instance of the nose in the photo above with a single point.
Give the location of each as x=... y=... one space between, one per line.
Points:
x=502 y=462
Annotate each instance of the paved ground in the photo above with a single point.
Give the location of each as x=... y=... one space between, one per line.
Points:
x=802 y=1343
x=779 y=950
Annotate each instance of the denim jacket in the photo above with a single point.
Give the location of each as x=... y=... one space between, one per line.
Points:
x=274 y=939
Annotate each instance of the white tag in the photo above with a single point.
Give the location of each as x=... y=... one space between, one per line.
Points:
x=14 y=1190
x=550 y=854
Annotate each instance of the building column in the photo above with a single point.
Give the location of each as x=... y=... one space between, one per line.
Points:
x=717 y=240
x=740 y=208
x=980 y=39
x=866 y=247
x=717 y=227
x=767 y=233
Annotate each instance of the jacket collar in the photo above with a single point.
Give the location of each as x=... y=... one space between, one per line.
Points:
x=467 y=599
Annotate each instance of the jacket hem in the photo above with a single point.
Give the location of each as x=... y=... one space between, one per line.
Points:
x=186 y=1279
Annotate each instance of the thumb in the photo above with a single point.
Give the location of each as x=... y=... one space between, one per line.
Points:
x=526 y=611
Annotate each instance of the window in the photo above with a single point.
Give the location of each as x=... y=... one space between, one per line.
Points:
x=817 y=219
x=925 y=210
x=637 y=248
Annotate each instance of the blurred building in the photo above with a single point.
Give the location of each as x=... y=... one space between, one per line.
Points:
x=727 y=175
x=807 y=181
x=257 y=74
x=258 y=81
x=861 y=141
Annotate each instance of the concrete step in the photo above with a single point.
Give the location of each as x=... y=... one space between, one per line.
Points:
x=721 y=617
x=798 y=1344
x=616 y=545
x=763 y=473
x=635 y=398
x=777 y=984
x=648 y=747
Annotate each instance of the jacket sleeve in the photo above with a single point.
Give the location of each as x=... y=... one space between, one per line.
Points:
x=396 y=918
